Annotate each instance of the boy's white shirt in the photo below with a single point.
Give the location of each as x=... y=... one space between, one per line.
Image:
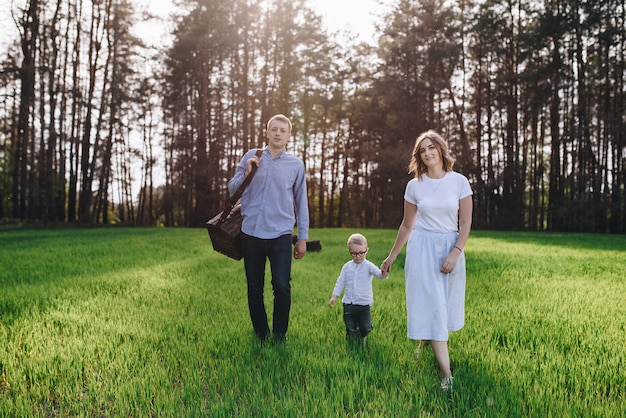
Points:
x=356 y=282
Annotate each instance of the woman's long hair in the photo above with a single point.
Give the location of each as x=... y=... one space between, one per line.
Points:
x=417 y=166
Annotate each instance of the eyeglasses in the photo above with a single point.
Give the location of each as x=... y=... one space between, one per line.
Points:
x=361 y=254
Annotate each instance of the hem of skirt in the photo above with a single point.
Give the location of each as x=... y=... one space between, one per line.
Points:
x=415 y=338
x=427 y=338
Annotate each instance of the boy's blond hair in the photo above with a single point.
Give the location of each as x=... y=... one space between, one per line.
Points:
x=357 y=239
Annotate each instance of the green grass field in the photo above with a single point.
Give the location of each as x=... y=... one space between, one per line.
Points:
x=152 y=322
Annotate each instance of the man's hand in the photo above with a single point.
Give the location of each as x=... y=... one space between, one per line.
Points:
x=253 y=160
x=300 y=249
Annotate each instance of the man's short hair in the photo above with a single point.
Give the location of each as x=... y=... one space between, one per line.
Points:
x=281 y=118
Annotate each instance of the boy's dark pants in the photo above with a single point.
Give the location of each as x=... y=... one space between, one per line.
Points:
x=358 y=320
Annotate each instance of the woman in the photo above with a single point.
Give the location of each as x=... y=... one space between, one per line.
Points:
x=436 y=224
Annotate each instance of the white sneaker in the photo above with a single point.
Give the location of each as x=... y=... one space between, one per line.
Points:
x=446 y=383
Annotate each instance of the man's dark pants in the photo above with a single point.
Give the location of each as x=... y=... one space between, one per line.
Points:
x=256 y=252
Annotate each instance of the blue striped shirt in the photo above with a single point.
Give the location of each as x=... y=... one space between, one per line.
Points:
x=276 y=198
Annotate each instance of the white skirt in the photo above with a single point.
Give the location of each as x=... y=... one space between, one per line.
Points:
x=435 y=302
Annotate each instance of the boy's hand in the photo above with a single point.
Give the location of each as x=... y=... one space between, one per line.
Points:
x=332 y=301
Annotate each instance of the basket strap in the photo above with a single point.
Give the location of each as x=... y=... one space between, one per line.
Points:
x=235 y=198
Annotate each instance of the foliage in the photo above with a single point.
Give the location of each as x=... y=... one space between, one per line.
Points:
x=152 y=322
x=530 y=95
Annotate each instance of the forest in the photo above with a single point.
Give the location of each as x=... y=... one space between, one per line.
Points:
x=99 y=127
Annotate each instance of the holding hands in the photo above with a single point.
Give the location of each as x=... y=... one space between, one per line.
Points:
x=385 y=267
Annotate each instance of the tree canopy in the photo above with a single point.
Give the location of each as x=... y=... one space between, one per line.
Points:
x=530 y=95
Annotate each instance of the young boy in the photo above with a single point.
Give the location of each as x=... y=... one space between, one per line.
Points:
x=356 y=280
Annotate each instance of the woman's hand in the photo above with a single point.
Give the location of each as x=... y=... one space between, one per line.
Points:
x=385 y=267
x=450 y=262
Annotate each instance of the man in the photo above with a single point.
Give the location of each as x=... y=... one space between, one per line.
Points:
x=274 y=201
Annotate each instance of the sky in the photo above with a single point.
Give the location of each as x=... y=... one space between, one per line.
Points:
x=358 y=17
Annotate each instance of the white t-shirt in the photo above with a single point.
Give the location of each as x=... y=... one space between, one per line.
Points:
x=437 y=201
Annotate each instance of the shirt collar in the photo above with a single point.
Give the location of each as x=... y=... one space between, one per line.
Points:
x=281 y=155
